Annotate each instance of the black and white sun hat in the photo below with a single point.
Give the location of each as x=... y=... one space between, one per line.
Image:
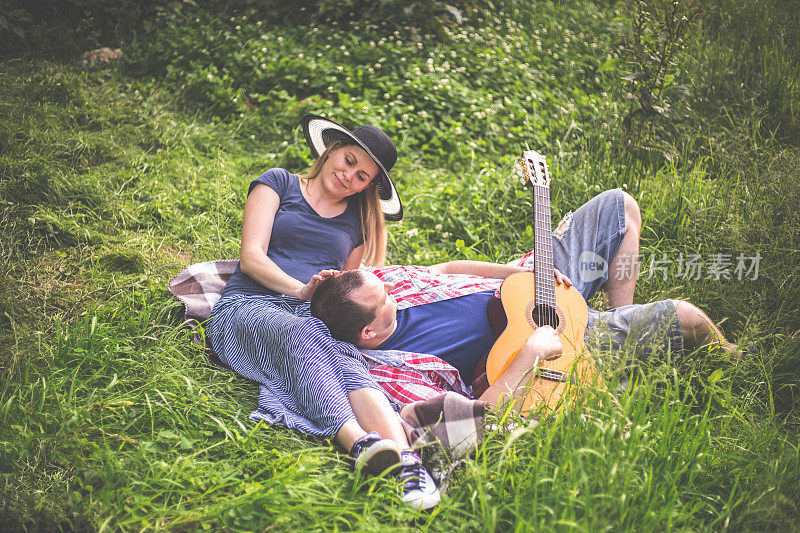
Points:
x=321 y=132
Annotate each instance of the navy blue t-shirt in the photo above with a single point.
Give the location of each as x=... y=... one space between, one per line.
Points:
x=456 y=330
x=302 y=242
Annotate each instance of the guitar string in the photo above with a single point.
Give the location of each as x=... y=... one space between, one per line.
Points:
x=547 y=272
x=546 y=292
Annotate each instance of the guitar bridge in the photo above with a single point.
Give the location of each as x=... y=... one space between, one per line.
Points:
x=552 y=375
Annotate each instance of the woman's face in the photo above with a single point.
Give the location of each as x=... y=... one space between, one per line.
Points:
x=348 y=170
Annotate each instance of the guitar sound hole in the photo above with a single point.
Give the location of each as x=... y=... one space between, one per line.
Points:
x=545 y=315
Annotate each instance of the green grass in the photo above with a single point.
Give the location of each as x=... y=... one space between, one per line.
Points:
x=114 y=178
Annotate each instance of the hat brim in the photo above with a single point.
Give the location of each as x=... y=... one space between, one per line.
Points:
x=321 y=132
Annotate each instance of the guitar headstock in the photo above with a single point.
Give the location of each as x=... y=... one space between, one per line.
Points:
x=532 y=169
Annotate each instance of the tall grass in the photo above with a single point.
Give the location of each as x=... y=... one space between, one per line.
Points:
x=113 y=179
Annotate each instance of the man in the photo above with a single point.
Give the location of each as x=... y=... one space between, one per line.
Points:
x=359 y=308
x=450 y=321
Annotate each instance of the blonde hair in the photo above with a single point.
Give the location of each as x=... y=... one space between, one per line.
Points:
x=373 y=227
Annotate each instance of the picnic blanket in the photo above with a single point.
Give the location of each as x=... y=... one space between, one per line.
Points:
x=445 y=430
x=451 y=420
x=439 y=414
x=406 y=376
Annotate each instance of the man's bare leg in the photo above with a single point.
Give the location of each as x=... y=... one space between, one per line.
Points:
x=699 y=330
x=622 y=271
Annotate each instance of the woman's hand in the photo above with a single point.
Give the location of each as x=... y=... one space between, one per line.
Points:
x=561 y=278
x=307 y=290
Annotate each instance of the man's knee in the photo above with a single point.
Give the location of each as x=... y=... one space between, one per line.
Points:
x=689 y=315
x=681 y=306
x=633 y=216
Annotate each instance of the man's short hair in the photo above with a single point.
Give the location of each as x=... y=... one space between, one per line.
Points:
x=332 y=303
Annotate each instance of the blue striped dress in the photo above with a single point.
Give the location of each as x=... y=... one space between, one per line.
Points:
x=304 y=374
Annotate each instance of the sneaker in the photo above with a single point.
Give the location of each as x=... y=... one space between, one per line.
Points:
x=375 y=454
x=419 y=489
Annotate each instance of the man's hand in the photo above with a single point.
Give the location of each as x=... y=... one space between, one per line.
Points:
x=561 y=278
x=307 y=290
x=544 y=343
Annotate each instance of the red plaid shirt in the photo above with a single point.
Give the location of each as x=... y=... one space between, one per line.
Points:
x=418 y=377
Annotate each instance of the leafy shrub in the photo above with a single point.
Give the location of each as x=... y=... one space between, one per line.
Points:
x=423 y=90
x=657 y=34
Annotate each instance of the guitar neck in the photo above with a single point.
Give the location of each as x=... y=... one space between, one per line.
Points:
x=545 y=289
x=533 y=170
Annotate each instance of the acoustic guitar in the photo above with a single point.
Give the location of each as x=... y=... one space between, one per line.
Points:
x=532 y=299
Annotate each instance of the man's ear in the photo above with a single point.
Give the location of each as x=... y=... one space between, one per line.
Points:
x=367 y=333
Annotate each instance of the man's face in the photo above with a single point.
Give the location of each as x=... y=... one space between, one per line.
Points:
x=377 y=295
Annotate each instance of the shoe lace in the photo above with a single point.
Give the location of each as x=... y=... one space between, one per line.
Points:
x=363 y=443
x=412 y=476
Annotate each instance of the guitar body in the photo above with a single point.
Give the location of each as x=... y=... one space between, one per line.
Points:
x=517 y=298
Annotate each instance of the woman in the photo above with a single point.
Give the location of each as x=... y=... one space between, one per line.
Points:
x=298 y=230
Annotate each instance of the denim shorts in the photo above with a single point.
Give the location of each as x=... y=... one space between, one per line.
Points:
x=586 y=241
x=636 y=331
